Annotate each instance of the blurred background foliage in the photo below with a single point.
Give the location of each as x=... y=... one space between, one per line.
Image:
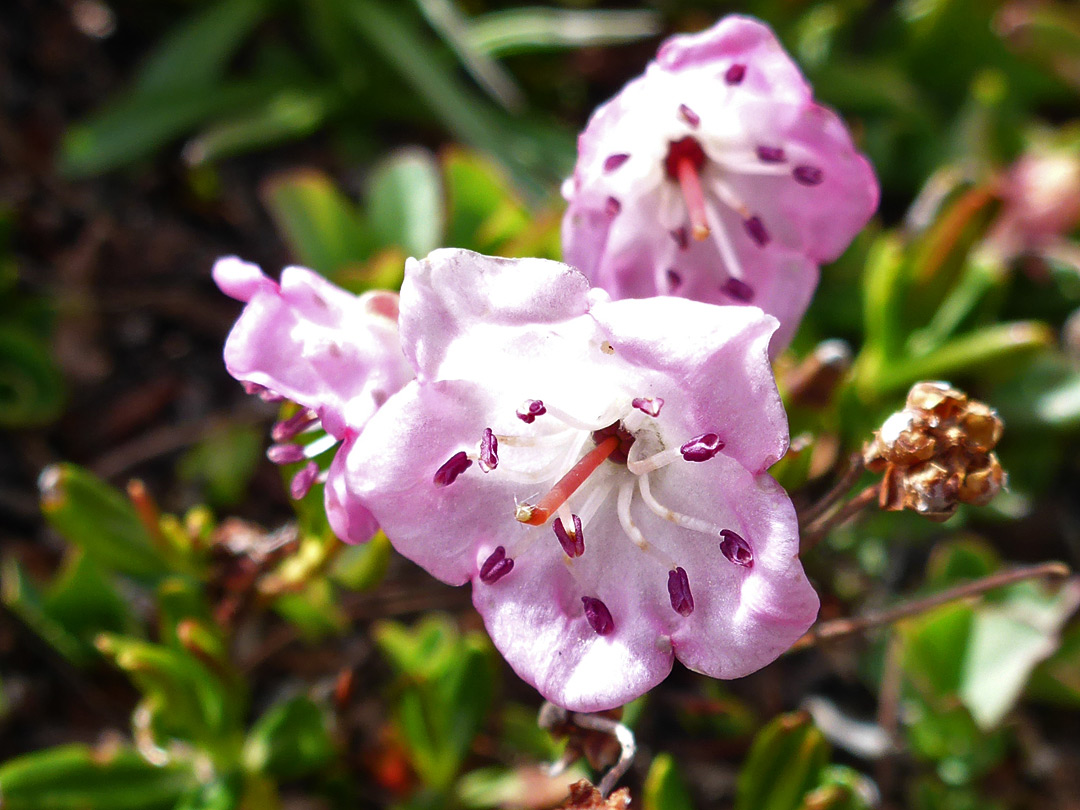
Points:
x=228 y=652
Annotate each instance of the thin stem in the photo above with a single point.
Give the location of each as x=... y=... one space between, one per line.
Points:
x=839 y=628
x=813 y=533
x=830 y=499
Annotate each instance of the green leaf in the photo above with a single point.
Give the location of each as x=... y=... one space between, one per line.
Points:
x=291 y=740
x=101 y=521
x=86 y=603
x=186 y=699
x=289 y=115
x=484 y=211
x=75 y=777
x=664 y=788
x=196 y=53
x=23 y=598
x=223 y=463
x=363 y=566
x=323 y=229
x=136 y=125
x=31 y=386
x=517 y=30
x=405 y=202
x=784 y=763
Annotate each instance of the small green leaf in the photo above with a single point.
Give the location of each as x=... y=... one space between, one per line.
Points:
x=291 y=740
x=363 y=566
x=664 y=788
x=484 y=211
x=99 y=520
x=23 y=598
x=75 y=777
x=31 y=386
x=323 y=229
x=784 y=763
x=405 y=202
x=223 y=463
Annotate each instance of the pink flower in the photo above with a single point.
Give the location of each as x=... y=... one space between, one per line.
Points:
x=715 y=176
x=336 y=354
x=596 y=469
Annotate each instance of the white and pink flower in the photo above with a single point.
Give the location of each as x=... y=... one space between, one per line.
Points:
x=715 y=176
x=596 y=469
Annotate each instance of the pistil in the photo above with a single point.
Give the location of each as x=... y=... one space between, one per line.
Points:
x=690 y=183
x=539 y=513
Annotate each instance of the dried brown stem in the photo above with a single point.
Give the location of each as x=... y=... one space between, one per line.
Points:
x=816 y=530
x=830 y=499
x=838 y=628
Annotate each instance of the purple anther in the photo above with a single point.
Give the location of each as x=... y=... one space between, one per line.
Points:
x=573 y=543
x=681 y=237
x=738 y=289
x=756 y=228
x=736 y=549
x=293 y=426
x=678 y=588
x=489 y=451
x=454 y=466
x=702 y=448
x=770 y=154
x=598 y=616
x=285 y=453
x=689 y=116
x=808 y=175
x=674 y=279
x=735 y=74
x=612 y=162
x=612 y=207
x=496 y=566
x=302 y=481
x=648 y=405
x=530 y=409
x=262 y=392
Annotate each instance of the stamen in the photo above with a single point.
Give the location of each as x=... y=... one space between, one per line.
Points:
x=612 y=162
x=685 y=521
x=648 y=405
x=736 y=549
x=678 y=585
x=489 y=451
x=451 y=469
x=598 y=616
x=735 y=74
x=285 y=453
x=319 y=446
x=770 y=154
x=756 y=228
x=538 y=514
x=572 y=542
x=626 y=494
x=496 y=566
x=653 y=462
x=689 y=116
x=702 y=448
x=738 y=289
x=530 y=409
x=296 y=424
x=303 y=480
x=674 y=279
x=612 y=207
x=808 y=175
x=262 y=392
